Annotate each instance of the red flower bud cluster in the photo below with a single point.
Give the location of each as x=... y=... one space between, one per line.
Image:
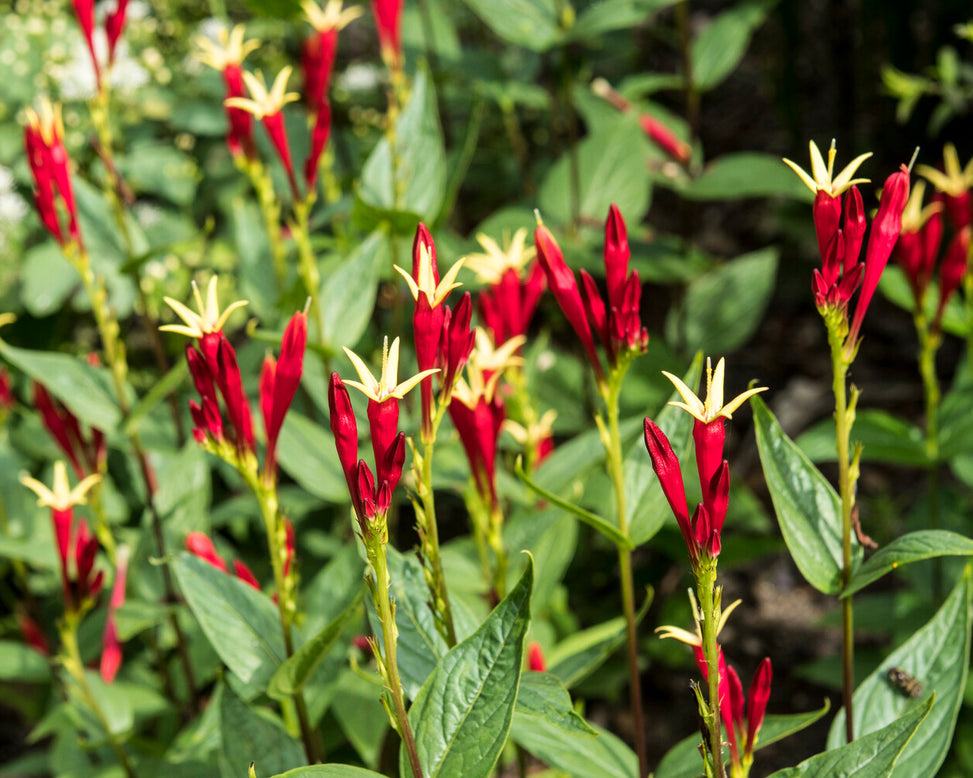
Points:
x=76 y=549
x=507 y=306
x=111 y=646
x=198 y=544
x=478 y=420
x=50 y=167
x=84 y=11
x=87 y=454
x=742 y=727
x=617 y=324
x=371 y=495
x=388 y=14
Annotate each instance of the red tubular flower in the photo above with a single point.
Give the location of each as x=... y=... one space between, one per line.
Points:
x=563 y=285
x=317 y=58
x=344 y=427
x=86 y=456
x=387 y=15
x=616 y=256
x=319 y=140
x=33 y=634
x=535 y=658
x=231 y=387
x=952 y=270
x=279 y=382
x=199 y=544
x=666 y=467
x=479 y=426
x=114 y=24
x=111 y=647
x=457 y=342
x=885 y=231
x=7 y=400
x=383 y=427
x=50 y=167
x=239 y=135
x=245 y=574
x=665 y=138
x=757 y=699
x=84 y=11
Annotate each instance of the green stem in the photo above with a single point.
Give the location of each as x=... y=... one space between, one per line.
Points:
x=844 y=418
x=380 y=594
x=71 y=661
x=307 y=264
x=613 y=449
x=708 y=594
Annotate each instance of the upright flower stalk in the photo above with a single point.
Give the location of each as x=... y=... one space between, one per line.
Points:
x=619 y=329
x=80 y=586
x=443 y=341
x=371 y=497
x=223 y=426
x=702 y=532
x=840 y=228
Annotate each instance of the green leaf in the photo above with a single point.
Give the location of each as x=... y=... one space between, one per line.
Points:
x=683 y=759
x=421 y=169
x=645 y=504
x=348 y=292
x=609 y=172
x=719 y=48
x=594 y=521
x=241 y=624
x=160 y=390
x=724 y=307
x=912 y=547
x=307 y=454
x=329 y=771
x=253 y=735
x=746 y=174
x=608 y=15
x=528 y=23
x=581 y=653
x=956 y=423
x=573 y=753
x=73 y=381
x=160 y=169
x=938 y=656
x=19 y=662
x=463 y=712
x=360 y=715
x=295 y=672
x=807 y=506
x=871 y=756
x=543 y=696
x=47 y=279
x=886 y=438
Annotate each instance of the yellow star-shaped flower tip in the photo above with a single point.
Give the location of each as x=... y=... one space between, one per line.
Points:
x=914 y=215
x=426 y=282
x=387 y=386
x=713 y=407
x=690 y=639
x=953 y=180
x=331 y=16
x=822 y=178
x=229 y=48
x=264 y=102
x=62 y=496
x=495 y=261
x=46 y=120
x=209 y=318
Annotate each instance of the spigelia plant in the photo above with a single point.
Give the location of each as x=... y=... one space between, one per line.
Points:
x=415 y=501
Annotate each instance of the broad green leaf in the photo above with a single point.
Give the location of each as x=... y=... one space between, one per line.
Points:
x=938 y=656
x=295 y=672
x=912 y=547
x=463 y=712
x=807 y=506
x=307 y=454
x=719 y=48
x=348 y=293
x=255 y=276
x=420 y=173
x=532 y=24
x=746 y=174
x=360 y=713
x=543 y=696
x=871 y=756
x=724 y=307
x=160 y=169
x=74 y=382
x=895 y=286
x=20 y=662
x=241 y=624
x=47 y=279
x=683 y=759
x=420 y=645
x=551 y=538
x=581 y=653
x=886 y=438
x=956 y=423
x=575 y=754
x=251 y=734
x=329 y=771
x=609 y=172
x=160 y=390
x=646 y=505
x=607 y=15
